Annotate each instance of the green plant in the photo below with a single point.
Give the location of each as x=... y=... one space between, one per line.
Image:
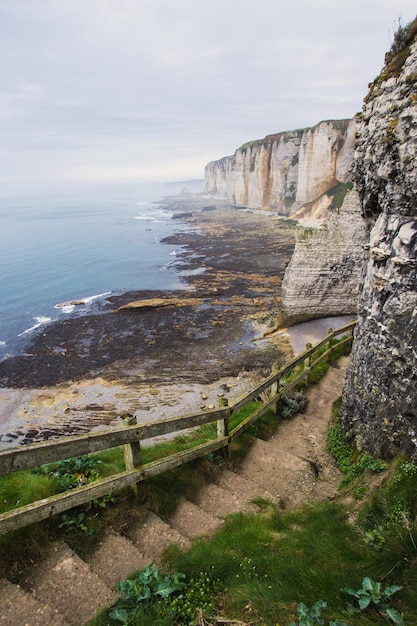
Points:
x=198 y=597
x=394 y=506
x=372 y=596
x=292 y=403
x=360 y=492
x=376 y=537
x=138 y=595
x=312 y=617
x=339 y=192
x=77 y=522
x=73 y=472
x=352 y=463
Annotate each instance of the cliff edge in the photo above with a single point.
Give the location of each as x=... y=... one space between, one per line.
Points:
x=324 y=273
x=380 y=396
x=285 y=171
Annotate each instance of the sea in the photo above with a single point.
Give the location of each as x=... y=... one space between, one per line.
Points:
x=81 y=243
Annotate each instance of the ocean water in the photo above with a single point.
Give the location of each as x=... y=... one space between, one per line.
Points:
x=79 y=243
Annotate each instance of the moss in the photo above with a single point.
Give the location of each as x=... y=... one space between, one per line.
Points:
x=289 y=201
x=339 y=192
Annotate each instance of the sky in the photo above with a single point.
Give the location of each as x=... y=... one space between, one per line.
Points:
x=152 y=90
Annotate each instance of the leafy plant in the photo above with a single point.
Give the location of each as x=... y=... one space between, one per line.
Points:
x=350 y=462
x=74 y=472
x=77 y=522
x=292 y=403
x=371 y=595
x=198 y=597
x=312 y=617
x=376 y=537
x=139 y=594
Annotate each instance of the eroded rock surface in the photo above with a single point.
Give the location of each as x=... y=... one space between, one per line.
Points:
x=323 y=275
x=380 y=397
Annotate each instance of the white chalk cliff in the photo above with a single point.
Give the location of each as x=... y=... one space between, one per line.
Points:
x=285 y=171
x=323 y=275
x=305 y=174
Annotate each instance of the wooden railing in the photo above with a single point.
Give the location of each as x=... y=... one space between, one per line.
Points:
x=131 y=436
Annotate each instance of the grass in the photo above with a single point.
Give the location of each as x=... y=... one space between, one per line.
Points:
x=271 y=561
x=267 y=563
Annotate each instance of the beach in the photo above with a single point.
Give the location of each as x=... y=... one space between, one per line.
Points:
x=159 y=354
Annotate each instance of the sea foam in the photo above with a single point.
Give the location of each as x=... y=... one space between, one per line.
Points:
x=39 y=322
x=69 y=306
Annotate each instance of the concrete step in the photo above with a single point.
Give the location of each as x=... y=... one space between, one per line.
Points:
x=191 y=521
x=66 y=583
x=152 y=536
x=115 y=558
x=275 y=467
x=20 y=608
x=220 y=501
x=245 y=488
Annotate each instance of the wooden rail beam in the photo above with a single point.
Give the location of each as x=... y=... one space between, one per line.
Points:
x=43 y=509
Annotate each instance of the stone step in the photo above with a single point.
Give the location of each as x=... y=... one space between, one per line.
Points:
x=245 y=488
x=66 y=583
x=274 y=466
x=20 y=608
x=220 y=501
x=191 y=521
x=152 y=536
x=115 y=558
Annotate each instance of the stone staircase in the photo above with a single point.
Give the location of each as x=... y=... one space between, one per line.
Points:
x=65 y=590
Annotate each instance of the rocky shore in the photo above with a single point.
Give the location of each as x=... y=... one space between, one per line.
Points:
x=157 y=354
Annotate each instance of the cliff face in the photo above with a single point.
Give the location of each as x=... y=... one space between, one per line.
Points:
x=285 y=171
x=323 y=275
x=380 y=396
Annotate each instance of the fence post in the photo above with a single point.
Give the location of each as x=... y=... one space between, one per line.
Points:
x=330 y=332
x=223 y=424
x=132 y=452
x=274 y=389
x=307 y=361
x=350 y=334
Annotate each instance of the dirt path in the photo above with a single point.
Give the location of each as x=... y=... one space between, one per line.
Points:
x=295 y=464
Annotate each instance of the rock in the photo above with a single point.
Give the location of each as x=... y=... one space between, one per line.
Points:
x=156 y=303
x=323 y=275
x=380 y=396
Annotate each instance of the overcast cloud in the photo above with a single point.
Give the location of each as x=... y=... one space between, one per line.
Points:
x=154 y=89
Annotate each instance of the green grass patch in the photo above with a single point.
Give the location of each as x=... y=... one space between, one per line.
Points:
x=351 y=461
x=267 y=563
x=339 y=192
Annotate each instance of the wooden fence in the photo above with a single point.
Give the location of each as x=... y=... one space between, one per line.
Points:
x=130 y=436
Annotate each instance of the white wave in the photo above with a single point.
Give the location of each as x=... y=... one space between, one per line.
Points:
x=69 y=306
x=3 y=343
x=39 y=322
x=89 y=299
x=195 y=272
x=154 y=216
x=65 y=308
x=173 y=253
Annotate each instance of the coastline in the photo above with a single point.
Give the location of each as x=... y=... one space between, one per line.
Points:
x=158 y=361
